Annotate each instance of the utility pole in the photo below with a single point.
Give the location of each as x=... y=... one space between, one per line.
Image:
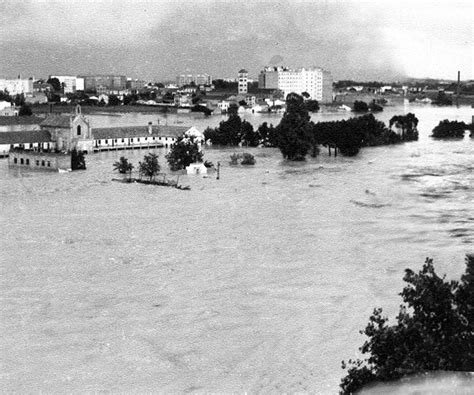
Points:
x=458 y=88
x=218 y=170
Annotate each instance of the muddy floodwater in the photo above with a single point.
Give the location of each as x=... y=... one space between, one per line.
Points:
x=258 y=282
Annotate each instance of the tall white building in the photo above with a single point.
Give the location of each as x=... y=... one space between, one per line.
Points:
x=16 y=86
x=69 y=82
x=314 y=80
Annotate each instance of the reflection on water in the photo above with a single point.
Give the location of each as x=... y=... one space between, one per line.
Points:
x=255 y=282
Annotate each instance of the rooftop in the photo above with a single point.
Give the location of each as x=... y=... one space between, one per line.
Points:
x=139 y=131
x=25 y=137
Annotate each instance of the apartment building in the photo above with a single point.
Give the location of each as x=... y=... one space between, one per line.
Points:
x=108 y=82
x=68 y=82
x=197 y=79
x=315 y=81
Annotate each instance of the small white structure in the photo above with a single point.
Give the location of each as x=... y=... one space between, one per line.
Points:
x=196 y=168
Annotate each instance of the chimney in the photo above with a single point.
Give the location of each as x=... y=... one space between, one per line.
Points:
x=150 y=128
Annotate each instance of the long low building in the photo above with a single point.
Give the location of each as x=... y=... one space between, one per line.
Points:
x=130 y=137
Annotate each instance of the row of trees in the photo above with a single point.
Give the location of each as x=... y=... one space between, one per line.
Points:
x=451 y=129
x=149 y=167
x=185 y=151
x=434 y=330
x=296 y=134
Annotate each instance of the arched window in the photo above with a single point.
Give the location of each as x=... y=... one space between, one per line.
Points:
x=78 y=130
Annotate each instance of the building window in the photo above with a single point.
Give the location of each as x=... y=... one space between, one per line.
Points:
x=37 y=162
x=15 y=160
x=49 y=163
x=123 y=140
x=78 y=130
x=22 y=161
x=42 y=163
x=131 y=140
x=27 y=161
x=106 y=141
x=115 y=140
x=146 y=138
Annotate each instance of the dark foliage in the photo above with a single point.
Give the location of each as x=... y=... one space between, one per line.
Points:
x=374 y=107
x=294 y=130
x=312 y=105
x=443 y=99
x=149 y=167
x=25 y=110
x=408 y=125
x=55 y=84
x=267 y=135
x=434 y=331
x=123 y=166
x=78 y=161
x=185 y=151
x=449 y=129
x=360 y=106
x=203 y=109
x=348 y=136
x=247 y=159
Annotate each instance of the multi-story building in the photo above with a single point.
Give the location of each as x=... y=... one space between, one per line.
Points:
x=68 y=82
x=135 y=84
x=243 y=82
x=16 y=86
x=108 y=82
x=315 y=81
x=197 y=79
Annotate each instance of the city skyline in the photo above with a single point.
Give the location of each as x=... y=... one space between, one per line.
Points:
x=157 y=40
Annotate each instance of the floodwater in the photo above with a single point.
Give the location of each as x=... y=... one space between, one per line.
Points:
x=257 y=282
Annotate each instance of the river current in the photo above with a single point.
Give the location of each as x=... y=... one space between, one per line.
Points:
x=257 y=282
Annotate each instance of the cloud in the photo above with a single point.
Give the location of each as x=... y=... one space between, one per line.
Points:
x=160 y=39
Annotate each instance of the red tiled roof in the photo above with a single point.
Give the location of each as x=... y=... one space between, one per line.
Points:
x=32 y=136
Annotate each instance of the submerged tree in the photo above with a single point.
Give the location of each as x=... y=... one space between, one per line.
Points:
x=78 y=161
x=124 y=166
x=185 y=151
x=150 y=166
x=407 y=124
x=294 y=130
x=449 y=129
x=434 y=331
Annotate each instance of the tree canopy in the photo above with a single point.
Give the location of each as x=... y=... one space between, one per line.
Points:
x=408 y=124
x=434 y=331
x=449 y=129
x=123 y=166
x=185 y=151
x=294 y=130
x=150 y=166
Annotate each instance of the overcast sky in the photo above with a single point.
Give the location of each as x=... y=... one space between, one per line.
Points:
x=156 y=40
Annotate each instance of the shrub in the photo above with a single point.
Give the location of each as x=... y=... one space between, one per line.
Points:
x=449 y=129
x=247 y=159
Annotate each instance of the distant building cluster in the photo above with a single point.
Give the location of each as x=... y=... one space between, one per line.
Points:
x=314 y=81
x=196 y=79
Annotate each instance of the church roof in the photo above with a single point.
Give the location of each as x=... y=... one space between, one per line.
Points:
x=139 y=131
x=25 y=137
x=57 y=121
